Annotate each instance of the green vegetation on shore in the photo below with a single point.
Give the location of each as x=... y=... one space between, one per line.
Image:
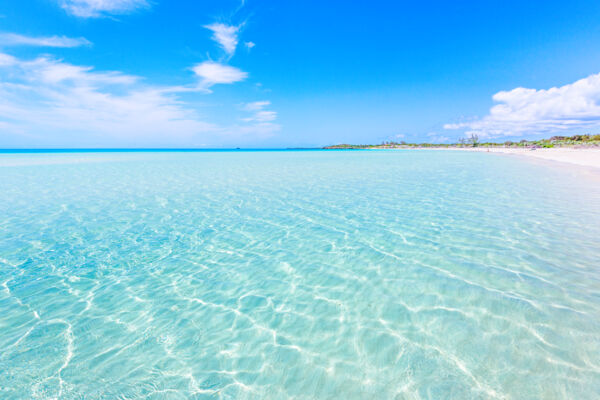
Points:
x=473 y=141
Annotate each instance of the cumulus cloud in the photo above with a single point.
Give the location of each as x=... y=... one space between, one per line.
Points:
x=46 y=100
x=521 y=111
x=13 y=39
x=212 y=73
x=225 y=35
x=99 y=8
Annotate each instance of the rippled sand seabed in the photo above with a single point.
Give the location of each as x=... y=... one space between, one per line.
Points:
x=297 y=274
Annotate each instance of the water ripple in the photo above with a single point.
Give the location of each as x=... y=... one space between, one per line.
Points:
x=325 y=275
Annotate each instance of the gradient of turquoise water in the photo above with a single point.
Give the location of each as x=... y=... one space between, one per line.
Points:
x=298 y=274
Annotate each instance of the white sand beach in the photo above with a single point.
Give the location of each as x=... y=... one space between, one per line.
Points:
x=588 y=157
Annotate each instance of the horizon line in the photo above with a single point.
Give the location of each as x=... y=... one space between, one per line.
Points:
x=148 y=149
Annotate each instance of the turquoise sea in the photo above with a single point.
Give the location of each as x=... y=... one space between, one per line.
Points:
x=298 y=275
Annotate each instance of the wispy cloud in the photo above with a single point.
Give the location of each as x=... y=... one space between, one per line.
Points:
x=435 y=137
x=256 y=105
x=261 y=120
x=6 y=59
x=45 y=94
x=249 y=45
x=99 y=8
x=212 y=73
x=46 y=100
x=13 y=39
x=259 y=115
x=262 y=116
x=521 y=111
x=225 y=35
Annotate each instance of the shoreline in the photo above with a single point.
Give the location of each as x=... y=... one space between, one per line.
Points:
x=584 y=157
x=579 y=156
x=576 y=156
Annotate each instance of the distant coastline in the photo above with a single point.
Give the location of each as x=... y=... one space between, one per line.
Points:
x=576 y=141
x=582 y=150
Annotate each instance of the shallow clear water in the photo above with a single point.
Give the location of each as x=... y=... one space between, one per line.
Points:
x=298 y=274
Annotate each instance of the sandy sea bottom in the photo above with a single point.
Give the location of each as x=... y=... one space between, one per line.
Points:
x=297 y=274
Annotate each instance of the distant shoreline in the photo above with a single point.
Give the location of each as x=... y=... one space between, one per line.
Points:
x=582 y=150
x=584 y=156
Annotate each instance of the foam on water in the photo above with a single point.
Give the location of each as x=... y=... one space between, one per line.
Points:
x=257 y=275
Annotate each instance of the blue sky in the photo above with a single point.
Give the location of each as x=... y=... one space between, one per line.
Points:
x=158 y=73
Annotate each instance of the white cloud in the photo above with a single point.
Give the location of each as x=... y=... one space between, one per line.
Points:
x=48 y=101
x=212 y=73
x=99 y=8
x=48 y=95
x=54 y=72
x=6 y=59
x=259 y=130
x=249 y=45
x=13 y=39
x=521 y=111
x=263 y=116
x=225 y=35
x=256 y=105
x=435 y=137
x=439 y=139
x=260 y=115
